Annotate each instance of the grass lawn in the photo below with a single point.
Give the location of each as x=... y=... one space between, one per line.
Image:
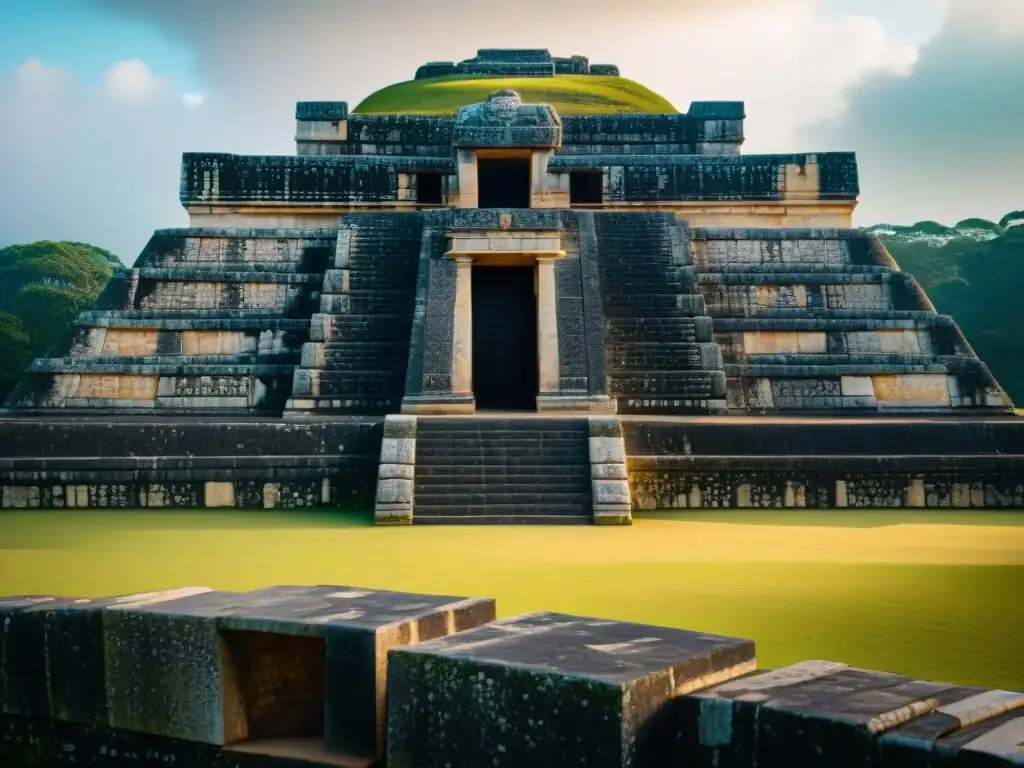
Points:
x=937 y=595
x=568 y=94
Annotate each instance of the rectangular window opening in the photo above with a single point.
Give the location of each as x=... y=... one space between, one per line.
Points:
x=586 y=188
x=428 y=189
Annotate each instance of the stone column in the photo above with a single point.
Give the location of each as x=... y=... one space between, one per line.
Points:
x=547 y=328
x=609 y=475
x=462 y=331
x=396 y=472
x=468 y=196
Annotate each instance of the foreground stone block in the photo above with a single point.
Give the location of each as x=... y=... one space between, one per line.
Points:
x=53 y=654
x=277 y=663
x=820 y=713
x=22 y=657
x=546 y=689
x=971 y=727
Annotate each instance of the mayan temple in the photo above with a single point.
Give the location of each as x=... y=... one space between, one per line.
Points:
x=509 y=314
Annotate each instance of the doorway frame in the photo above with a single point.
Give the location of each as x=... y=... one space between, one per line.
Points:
x=537 y=248
x=506 y=154
x=478 y=264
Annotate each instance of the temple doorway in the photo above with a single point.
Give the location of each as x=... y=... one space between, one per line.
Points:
x=503 y=182
x=505 y=365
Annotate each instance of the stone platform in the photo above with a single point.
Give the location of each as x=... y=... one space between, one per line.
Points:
x=285 y=677
x=509 y=468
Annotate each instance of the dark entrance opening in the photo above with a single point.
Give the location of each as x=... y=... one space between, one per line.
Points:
x=505 y=367
x=428 y=188
x=585 y=188
x=273 y=689
x=503 y=183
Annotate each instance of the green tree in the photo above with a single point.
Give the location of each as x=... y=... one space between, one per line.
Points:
x=43 y=286
x=15 y=350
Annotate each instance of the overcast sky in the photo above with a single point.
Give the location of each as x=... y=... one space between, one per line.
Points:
x=99 y=98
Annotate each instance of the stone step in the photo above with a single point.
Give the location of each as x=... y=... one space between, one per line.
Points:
x=569 y=509
x=569 y=475
x=651 y=330
x=513 y=438
x=390 y=280
x=430 y=425
x=495 y=459
x=430 y=517
x=667 y=384
x=670 y=405
x=360 y=388
x=679 y=359
x=453 y=496
x=395 y=366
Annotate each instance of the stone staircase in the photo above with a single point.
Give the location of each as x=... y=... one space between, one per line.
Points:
x=529 y=470
x=661 y=356
x=356 y=359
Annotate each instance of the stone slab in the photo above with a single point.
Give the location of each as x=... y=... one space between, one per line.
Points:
x=965 y=716
x=170 y=655
x=546 y=689
x=810 y=714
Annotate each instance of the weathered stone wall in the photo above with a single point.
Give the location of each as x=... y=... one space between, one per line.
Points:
x=826 y=464
x=422 y=680
x=274 y=677
x=208 y=320
x=709 y=128
x=127 y=463
x=673 y=178
x=226 y=178
x=822 y=319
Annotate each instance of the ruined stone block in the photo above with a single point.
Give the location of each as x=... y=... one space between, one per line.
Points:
x=547 y=689
x=813 y=714
x=223 y=668
x=969 y=727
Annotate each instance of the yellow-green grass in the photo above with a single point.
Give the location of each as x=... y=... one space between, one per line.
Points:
x=936 y=595
x=568 y=94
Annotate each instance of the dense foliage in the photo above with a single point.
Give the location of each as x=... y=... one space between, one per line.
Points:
x=42 y=287
x=569 y=94
x=977 y=280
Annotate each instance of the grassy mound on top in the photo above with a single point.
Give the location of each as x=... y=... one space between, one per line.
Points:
x=569 y=94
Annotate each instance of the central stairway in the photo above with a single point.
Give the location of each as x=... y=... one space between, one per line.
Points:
x=496 y=470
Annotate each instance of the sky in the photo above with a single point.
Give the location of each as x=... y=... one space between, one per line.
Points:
x=99 y=98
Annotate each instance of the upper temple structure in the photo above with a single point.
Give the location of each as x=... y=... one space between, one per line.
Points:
x=507 y=257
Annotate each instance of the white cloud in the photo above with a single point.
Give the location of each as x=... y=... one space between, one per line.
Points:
x=942 y=142
x=192 y=100
x=789 y=65
x=34 y=74
x=132 y=80
x=83 y=162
